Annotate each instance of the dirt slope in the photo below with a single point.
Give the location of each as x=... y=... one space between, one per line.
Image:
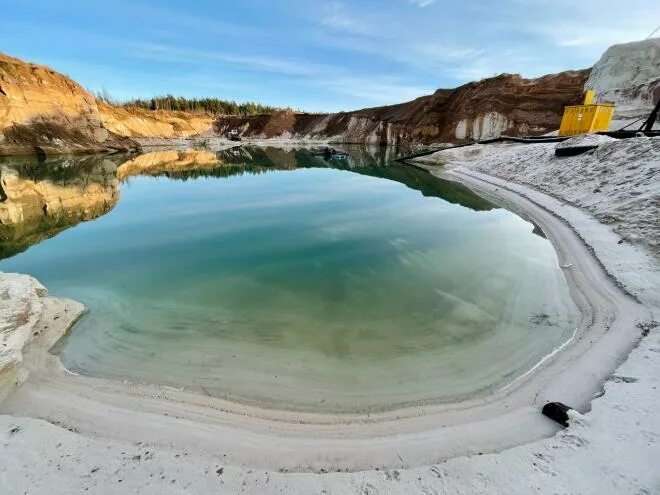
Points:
x=505 y=104
x=136 y=122
x=43 y=109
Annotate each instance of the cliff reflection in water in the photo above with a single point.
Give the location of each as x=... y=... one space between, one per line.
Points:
x=40 y=199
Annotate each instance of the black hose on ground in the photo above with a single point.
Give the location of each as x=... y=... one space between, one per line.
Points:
x=501 y=139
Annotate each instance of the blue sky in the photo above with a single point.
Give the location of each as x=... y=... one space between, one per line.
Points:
x=313 y=55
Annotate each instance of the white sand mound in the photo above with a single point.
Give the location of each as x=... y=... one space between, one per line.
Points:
x=628 y=75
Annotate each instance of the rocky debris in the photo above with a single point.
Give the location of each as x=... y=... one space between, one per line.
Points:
x=629 y=76
x=647 y=326
x=506 y=104
x=44 y=111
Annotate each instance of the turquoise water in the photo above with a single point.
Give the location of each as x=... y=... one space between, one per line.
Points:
x=309 y=287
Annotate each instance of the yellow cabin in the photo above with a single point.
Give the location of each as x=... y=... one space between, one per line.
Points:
x=589 y=117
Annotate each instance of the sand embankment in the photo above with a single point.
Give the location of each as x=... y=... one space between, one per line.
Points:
x=504 y=104
x=44 y=111
x=42 y=108
x=140 y=123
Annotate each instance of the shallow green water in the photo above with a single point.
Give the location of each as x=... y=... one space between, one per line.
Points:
x=308 y=288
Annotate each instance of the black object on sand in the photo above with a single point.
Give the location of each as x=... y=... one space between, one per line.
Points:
x=574 y=150
x=557 y=411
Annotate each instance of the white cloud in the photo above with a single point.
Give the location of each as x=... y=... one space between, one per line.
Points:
x=385 y=37
x=378 y=90
x=174 y=54
x=388 y=54
x=336 y=17
x=439 y=52
x=374 y=89
x=509 y=61
x=589 y=24
x=422 y=3
x=570 y=35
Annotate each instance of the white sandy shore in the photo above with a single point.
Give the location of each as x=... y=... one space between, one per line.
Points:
x=130 y=438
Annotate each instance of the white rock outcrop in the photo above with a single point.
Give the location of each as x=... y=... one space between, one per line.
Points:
x=20 y=309
x=28 y=314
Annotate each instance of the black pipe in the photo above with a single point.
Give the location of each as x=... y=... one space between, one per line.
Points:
x=557 y=411
x=620 y=134
x=501 y=139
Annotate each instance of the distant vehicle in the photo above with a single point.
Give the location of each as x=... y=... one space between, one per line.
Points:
x=332 y=154
x=233 y=135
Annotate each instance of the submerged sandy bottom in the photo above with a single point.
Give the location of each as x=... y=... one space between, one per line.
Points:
x=314 y=290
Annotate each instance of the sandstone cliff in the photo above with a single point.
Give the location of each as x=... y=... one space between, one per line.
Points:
x=42 y=110
x=136 y=122
x=506 y=104
x=629 y=76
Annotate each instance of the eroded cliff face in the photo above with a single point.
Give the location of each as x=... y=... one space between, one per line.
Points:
x=506 y=104
x=340 y=127
x=136 y=122
x=44 y=109
x=38 y=200
x=509 y=104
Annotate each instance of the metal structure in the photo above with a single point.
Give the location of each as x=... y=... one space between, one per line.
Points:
x=588 y=117
x=647 y=126
x=233 y=135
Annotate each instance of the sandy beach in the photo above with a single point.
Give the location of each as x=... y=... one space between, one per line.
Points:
x=57 y=420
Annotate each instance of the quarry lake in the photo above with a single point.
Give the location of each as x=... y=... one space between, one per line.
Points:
x=277 y=278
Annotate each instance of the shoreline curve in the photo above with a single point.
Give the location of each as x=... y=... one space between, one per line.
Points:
x=301 y=442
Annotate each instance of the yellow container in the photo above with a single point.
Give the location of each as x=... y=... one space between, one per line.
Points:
x=589 y=97
x=590 y=117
